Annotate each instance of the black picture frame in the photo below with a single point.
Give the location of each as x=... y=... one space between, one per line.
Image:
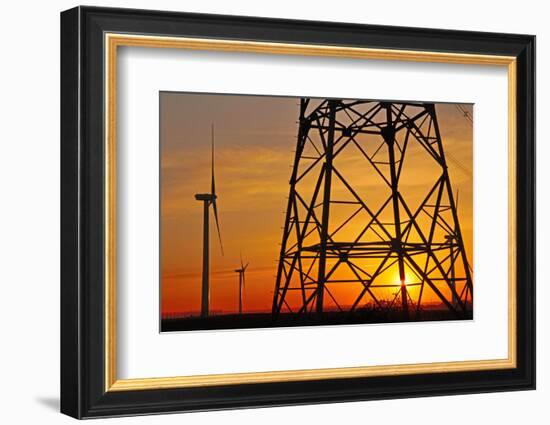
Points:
x=83 y=392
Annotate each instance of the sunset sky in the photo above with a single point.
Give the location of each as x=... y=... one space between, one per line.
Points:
x=255 y=140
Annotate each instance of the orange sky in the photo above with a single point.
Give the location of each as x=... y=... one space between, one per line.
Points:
x=255 y=139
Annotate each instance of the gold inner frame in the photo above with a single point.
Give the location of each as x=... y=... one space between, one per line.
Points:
x=113 y=41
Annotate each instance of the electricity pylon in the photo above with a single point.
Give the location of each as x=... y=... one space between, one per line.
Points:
x=370 y=211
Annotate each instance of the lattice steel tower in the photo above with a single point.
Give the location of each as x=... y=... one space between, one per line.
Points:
x=371 y=221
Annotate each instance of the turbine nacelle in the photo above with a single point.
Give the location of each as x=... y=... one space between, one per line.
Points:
x=209 y=197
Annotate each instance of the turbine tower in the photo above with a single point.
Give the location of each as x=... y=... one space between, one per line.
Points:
x=208 y=199
x=241 y=283
x=371 y=214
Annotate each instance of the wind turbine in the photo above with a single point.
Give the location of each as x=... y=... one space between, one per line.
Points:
x=241 y=284
x=208 y=199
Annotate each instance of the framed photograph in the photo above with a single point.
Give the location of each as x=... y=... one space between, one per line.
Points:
x=261 y=212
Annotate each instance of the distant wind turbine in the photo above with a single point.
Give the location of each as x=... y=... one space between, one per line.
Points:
x=241 y=283
x=208 y=199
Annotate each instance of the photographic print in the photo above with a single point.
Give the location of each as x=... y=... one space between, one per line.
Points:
x=326 y=185
x=288 y=211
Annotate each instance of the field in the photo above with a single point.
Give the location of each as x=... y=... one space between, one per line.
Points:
x=265 y=320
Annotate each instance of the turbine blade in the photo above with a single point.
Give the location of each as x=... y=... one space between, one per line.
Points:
x=456 y=200
x=245 y=267
x=217 y=223
x=243 y=280
x=241 y=255
x=213 y=184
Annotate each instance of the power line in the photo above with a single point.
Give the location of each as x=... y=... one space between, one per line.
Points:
x=464 y=113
